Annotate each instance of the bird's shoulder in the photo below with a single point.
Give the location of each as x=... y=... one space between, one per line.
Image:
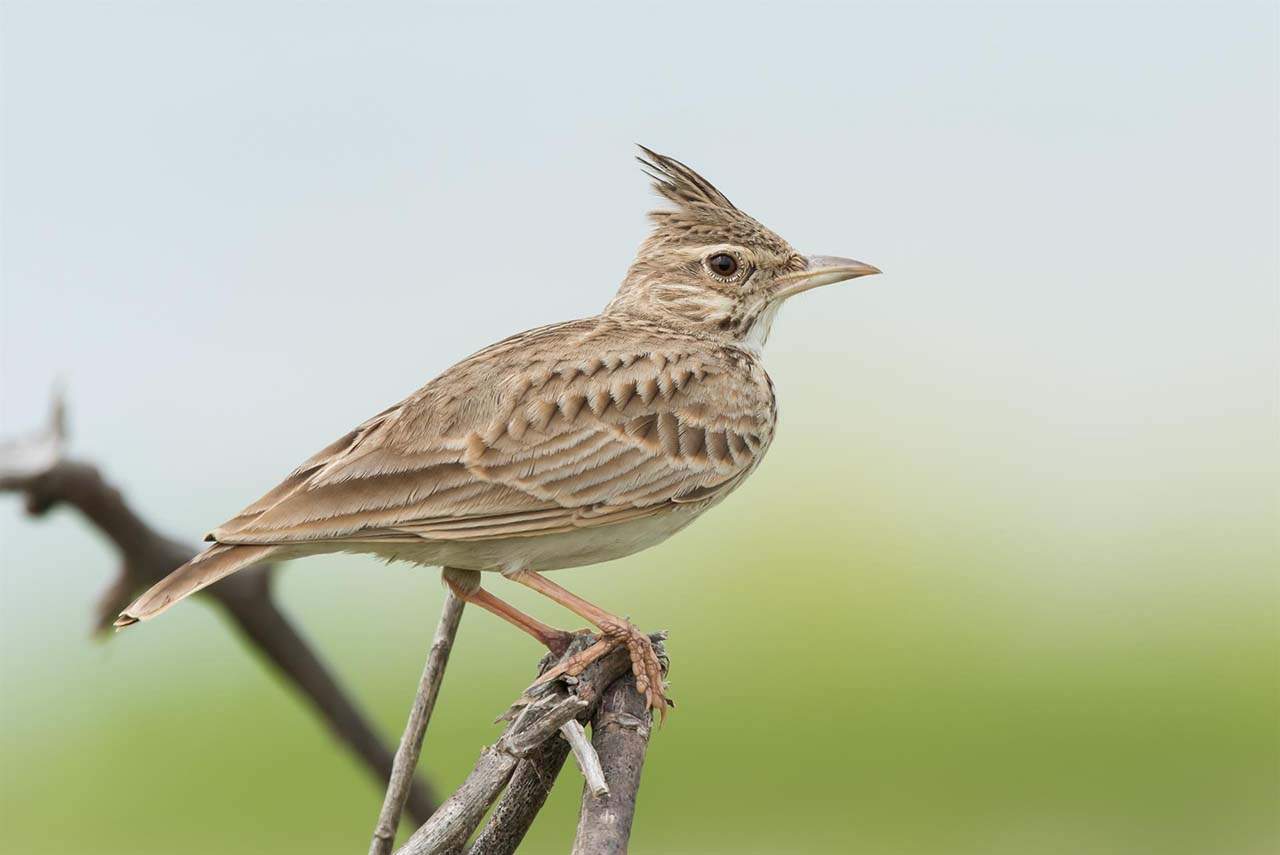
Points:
x=592 y=366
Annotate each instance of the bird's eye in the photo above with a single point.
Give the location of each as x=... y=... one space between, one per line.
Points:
x=723 y=264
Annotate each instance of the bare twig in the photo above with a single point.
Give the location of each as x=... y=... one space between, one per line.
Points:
x=535 y=718
x=458 y=816
x=588 y=760
x=384 y=833
x=521 y=800
x=34 y=467
x=620 y=734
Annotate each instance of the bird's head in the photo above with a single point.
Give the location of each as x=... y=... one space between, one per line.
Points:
x=711 y=268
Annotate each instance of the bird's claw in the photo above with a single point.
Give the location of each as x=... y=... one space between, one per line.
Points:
x=645 y=663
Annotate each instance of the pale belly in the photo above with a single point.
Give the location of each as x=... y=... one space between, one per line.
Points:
x=543 y=552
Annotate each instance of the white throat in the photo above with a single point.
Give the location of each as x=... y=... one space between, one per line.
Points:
x=758 y=332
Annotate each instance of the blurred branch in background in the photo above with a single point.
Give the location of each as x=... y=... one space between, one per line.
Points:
x=36 y=467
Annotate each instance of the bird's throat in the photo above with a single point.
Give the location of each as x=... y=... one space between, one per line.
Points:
x=758 y=330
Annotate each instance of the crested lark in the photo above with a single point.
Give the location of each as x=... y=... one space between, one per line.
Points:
x=566 y=445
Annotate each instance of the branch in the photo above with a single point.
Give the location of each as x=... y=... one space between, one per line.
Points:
x=585 y=755
x=524 y=796
x=384 y=832
x=35 y=467
x=620 y=735
x=534 y=720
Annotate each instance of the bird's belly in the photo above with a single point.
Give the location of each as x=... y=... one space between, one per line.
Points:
x=542 y=552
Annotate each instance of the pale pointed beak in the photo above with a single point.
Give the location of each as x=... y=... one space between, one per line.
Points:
x=822 y=270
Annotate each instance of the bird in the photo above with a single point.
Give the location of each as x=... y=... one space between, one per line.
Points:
x=567 y=445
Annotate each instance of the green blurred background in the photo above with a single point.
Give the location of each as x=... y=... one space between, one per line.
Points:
x=1006 y=582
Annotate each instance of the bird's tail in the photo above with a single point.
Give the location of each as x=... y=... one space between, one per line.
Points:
x=202 y=571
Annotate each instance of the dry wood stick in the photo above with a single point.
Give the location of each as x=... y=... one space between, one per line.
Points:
x=620 y=734
x=534 y=719
x=524 y=796
x=402 y=770
x=585 y=755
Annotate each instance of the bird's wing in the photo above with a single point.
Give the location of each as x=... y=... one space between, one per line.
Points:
x=560 y=428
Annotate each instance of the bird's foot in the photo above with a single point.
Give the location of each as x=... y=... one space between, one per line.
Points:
x=578 y=662
x=645 y=663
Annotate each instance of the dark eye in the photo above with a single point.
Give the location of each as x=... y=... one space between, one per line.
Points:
x=723 y=264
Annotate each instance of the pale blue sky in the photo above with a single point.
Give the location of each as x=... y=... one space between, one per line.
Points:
x=237 y=229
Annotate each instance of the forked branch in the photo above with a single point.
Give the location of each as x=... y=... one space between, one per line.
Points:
x=526 y=759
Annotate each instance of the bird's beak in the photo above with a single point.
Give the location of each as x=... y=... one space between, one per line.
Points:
x=821 y=270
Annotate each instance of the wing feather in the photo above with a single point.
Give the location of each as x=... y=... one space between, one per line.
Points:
x=531 y=437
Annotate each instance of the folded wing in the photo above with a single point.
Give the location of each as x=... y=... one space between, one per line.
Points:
x=554 y=443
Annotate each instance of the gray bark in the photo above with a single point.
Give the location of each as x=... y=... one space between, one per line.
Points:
x=534 y=720
x=384 y=832
x=620 y=734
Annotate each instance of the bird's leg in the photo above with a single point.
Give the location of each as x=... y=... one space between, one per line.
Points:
x=465 y=584
x=616 y=631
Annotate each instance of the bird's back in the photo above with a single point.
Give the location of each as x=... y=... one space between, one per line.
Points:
x=570 y=426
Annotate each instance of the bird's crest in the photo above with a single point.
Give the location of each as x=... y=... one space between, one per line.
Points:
x=701 y=213
x=679 y=184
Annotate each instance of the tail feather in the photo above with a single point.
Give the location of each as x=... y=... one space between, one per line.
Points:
x=200 y=572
